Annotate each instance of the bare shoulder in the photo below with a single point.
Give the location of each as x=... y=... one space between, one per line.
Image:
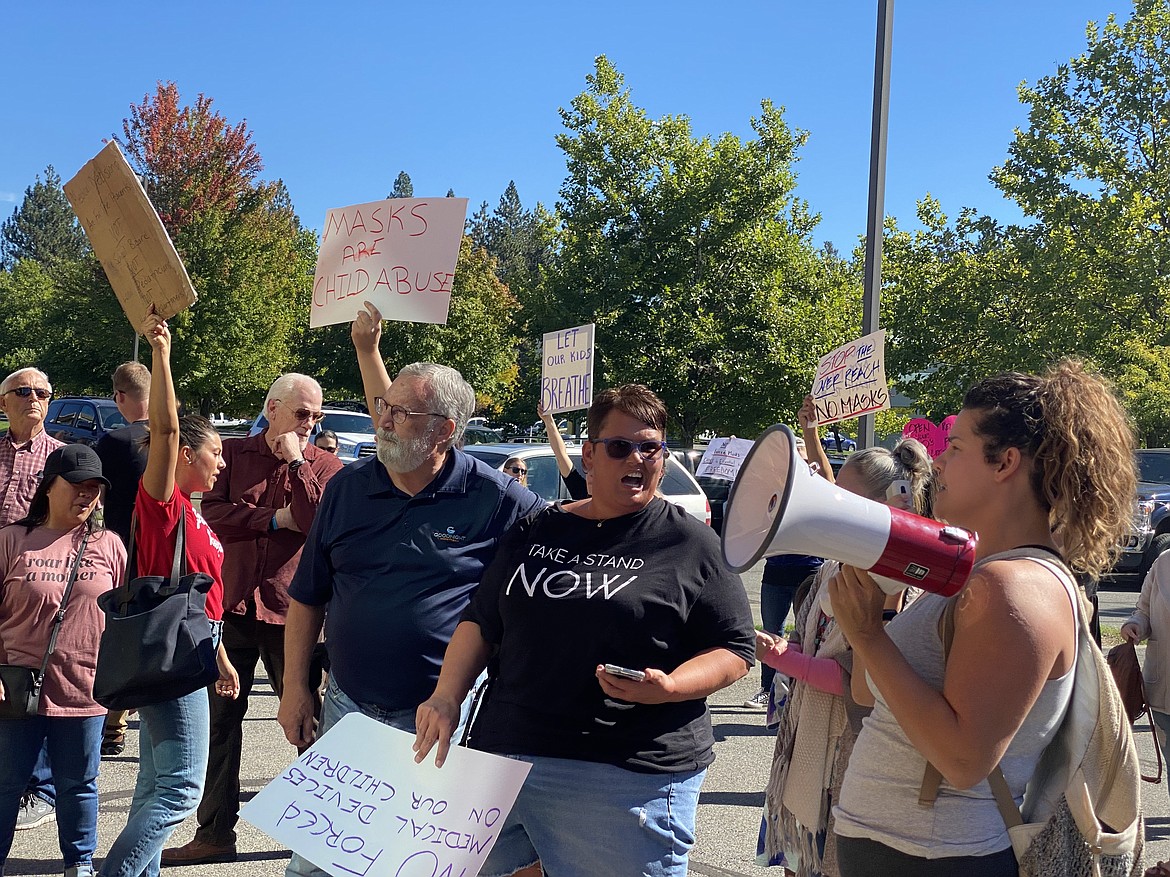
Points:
x=1016 y=592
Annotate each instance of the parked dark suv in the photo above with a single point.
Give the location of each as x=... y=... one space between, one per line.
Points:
x=82 y=419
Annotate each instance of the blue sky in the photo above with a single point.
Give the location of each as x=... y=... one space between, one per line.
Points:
x=341 y=97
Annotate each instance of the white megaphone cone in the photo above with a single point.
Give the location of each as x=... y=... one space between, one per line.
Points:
x=778 y=505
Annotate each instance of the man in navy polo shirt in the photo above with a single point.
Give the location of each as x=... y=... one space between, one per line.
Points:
x=397 y=547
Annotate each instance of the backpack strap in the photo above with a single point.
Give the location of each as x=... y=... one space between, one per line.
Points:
x=931 y=777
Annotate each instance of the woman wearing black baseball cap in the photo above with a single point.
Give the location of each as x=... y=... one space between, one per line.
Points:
x=56 y=557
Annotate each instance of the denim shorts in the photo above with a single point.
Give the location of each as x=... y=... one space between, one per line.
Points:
x=591 y=819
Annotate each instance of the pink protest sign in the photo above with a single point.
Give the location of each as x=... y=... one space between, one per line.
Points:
x=399 y=254
x=933 y=436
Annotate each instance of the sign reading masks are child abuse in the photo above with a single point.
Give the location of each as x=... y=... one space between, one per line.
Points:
x=399 y=254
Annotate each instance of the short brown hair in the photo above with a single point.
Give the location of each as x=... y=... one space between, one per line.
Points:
x=634 y=400
x=133 y=379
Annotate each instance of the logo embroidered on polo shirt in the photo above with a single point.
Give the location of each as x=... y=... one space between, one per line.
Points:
x=449 y=536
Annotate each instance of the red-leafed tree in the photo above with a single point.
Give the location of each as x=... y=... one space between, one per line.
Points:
x=249 y=258
x=189 y=158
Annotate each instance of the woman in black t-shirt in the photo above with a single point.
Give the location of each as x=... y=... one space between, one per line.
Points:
x=581 y=597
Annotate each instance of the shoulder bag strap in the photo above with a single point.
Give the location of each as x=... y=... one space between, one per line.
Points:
x=60 y=616
x=179 y=561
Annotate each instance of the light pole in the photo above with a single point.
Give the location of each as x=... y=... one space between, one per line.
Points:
x=871 y=297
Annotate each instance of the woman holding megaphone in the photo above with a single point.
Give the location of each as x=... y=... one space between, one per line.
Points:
x=1029 y=459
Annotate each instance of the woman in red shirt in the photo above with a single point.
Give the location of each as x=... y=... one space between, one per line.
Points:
x=185 y=457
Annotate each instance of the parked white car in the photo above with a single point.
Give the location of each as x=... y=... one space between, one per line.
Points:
x=544 y=478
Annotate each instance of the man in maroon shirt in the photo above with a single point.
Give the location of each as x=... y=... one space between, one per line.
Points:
x=261 y=508
x=24 y=399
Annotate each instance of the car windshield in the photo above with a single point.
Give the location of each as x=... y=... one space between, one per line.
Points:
x=348 y=423
x=111 y=417
x=1154 y=468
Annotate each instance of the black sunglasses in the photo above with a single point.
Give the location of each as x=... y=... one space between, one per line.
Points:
x=620 y=448
x=25 y=392
x=515 y=470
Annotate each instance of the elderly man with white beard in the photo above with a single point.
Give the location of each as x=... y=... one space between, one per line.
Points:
x=397 y=547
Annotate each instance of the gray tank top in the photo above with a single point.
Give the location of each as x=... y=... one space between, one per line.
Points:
x=879 y=796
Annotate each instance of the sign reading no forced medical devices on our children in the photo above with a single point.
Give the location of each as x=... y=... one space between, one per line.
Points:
x=851 y=380
x=355 y=803
x=566 y=375
x=399 y=254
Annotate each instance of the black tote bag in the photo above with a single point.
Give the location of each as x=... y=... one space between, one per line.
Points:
x=157 y=645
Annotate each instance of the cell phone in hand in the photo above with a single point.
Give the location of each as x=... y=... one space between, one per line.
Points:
x=624 y=672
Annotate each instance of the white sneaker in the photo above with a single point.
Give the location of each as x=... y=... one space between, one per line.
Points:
x=82 y=870
x=758 y=701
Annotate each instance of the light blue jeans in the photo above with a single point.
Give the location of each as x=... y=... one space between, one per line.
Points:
x=337 y=704
x=587 y=819
x=172 y=765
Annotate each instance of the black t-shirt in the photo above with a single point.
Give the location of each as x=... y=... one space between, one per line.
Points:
x=123 y=459
x=576 y=484
x=565 y=594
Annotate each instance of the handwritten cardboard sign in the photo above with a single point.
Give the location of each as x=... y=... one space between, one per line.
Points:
x=355 y=803
x=399 y=254
x=851 y=380
x=128 y=238
x=933 y=437
x=723 y=457
x=566 y=372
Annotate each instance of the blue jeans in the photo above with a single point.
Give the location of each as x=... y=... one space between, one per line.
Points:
x=337 y=704
x=172 y=764
x=634 y=823
x=41 y=782
x=74 y=747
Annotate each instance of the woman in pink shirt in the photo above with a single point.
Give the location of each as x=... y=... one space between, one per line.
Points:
x=37 y=556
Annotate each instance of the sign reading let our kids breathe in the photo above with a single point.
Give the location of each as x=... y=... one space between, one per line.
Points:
x=851 y=380
x=399 y=254
x=566 y=374
x=355 y=803
x=128 y=238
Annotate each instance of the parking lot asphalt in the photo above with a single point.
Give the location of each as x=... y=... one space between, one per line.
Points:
x=730 y=803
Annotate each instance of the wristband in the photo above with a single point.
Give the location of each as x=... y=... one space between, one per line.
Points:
x=296 y=464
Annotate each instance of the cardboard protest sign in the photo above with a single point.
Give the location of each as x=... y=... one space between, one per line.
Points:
x=399 y=254
x=851 y=380
x=723 y=457
x=566 y=372
x=356 y=803
x=933 y=437
x=128 y=238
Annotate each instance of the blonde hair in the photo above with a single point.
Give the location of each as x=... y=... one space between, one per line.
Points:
x=1075 y=432
x=878 y=468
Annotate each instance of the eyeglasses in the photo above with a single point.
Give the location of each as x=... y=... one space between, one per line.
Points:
x=304 y=413
x=620 y=448
x=515 y=470
x=25 y=392
x=328 y=449
x=399 y=414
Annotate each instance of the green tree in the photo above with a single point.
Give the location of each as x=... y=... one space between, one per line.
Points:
x=249 y=258
x=694 y=258
x=403 y=187
x=25 y=294
x=43 y=228
x=1088 y=274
